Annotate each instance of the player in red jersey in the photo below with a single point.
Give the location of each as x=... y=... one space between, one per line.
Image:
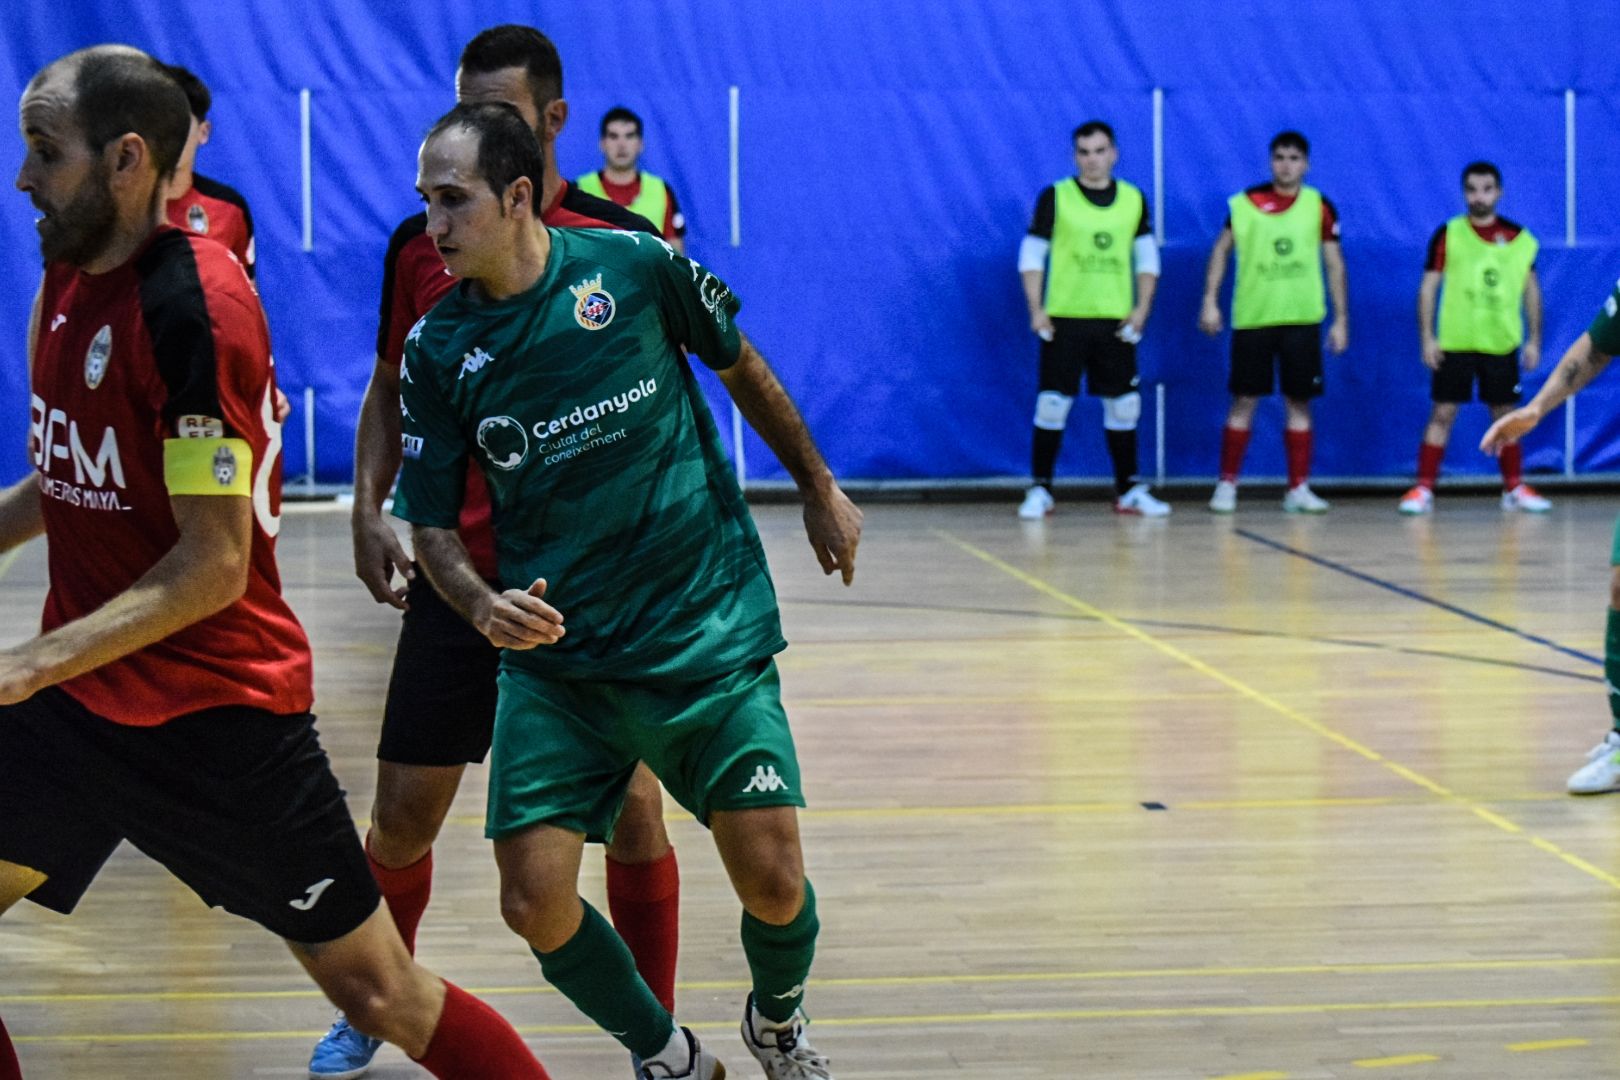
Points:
x=440 y=712
x=197 y=203
x=166 y=700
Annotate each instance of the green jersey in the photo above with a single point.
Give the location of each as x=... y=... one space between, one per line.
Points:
x=1605 y=329
x=606 y=473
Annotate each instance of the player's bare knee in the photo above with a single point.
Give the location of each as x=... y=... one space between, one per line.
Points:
x=774 y=894
x=545 y=918
x=401 y=831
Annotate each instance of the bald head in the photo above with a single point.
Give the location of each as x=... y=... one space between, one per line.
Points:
x=109 y=91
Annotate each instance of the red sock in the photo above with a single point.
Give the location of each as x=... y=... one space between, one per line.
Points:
x=474 y=1042
x=1512 y=466
x=9 y=1067
x=1234 y=444
x=405 y=891
x=645 y=901
x=1429 y=457
x=1298 y=444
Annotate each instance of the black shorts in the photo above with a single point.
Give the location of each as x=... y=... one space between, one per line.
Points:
x=1294 y=350
x=441 y=695
x=1498 y=378
x=1091 y=346
x=238 y=803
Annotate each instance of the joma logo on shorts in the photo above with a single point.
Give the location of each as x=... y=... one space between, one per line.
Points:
x=765 y=780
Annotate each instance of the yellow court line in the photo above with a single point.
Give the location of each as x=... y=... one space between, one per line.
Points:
x=1255 y=1076
x=1260 y=697
x=1422 y=967
x=1548 y=1044
x=1389 y=1062
x=933 y=1019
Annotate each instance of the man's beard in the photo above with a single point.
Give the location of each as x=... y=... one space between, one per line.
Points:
x=82 y=229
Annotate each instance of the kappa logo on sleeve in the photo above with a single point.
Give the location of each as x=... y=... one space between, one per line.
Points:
x=474 y=362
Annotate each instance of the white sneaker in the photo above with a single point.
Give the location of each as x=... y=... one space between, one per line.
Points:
x=1526 y=498
x=1139 y=500
x=700 y=1064
x=1038 y=503
x=1302 y=500
x=1420 y=500
x=1224 y=501
x=1601 y=772
x=783 y=1052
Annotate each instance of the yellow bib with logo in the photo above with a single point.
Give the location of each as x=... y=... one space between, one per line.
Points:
x=1480 y=304
x=1090 y=276
x=1279 y=263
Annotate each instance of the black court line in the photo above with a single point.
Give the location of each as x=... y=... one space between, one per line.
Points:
x=1412 y=594
x=1206 y=628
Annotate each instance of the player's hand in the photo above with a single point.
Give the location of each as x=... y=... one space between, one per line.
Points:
x=1338 y=338
x=521 y=619
x=377 y=555
x=1209 y=318
x=283 y=407
x=1510 y=429
x=18 y=679
x=1040 y=324
x=1433 y=355
x=1530 y=355
x=1130 y=330
x=833 y=524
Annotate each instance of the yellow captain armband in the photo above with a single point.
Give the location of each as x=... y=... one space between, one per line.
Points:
x=208 y=467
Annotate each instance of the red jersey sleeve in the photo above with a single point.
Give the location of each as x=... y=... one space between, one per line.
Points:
x=1330 y=220
x=1435 y=261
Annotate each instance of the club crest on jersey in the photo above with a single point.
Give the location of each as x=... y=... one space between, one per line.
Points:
x=95 y=361
x=504 y=440
x=197 y=219
x=593 y=305
x=224 y=466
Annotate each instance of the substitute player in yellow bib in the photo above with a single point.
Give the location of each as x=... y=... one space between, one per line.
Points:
x=623 y=180
x=1488 y=266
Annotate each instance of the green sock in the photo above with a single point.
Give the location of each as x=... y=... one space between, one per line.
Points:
x=1611 y=664
x=596 y=972
x=779 y=957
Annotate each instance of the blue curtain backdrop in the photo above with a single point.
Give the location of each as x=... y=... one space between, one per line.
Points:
x=890 y=157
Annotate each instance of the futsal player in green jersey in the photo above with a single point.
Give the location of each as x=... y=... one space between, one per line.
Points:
x=637 y=613
x=1583 y=362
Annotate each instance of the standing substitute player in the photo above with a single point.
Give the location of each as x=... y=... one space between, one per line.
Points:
x=1583 y=362
x=1089 y=312
x=167 y=700
x=1286 y=234
x=622 y=179
x=441 y=697
x=201 y=205
x=557 y=366
x=1488 y=265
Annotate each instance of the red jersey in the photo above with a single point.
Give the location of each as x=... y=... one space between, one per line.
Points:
x=415 y=279
x=218 y=212
x=674 y=223
x=1269 y=200
x=1499 y=231
x=171 y=345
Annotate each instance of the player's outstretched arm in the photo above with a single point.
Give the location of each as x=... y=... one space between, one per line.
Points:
x=514 y=619
x=377 y=550
x=205 y=572
x=1578 y=366
x=831 y=520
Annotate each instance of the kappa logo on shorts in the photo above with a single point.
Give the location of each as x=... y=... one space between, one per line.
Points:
x=765 y=780
x=312 y=895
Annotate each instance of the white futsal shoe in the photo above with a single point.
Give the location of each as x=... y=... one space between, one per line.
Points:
x=1140 y=501
x=700 y=1064
x=1526 y=498
x=1601 y=773
x=1037 y=504
x=781 y=1049
x=1420 y=500
x=1224 y=501
x=1302 y=500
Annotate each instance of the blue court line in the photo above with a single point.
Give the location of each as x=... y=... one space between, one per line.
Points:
x=1411 y=594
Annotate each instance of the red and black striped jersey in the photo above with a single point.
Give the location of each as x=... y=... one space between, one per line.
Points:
x=415 y=279
x=219 y=212
x=170 y=346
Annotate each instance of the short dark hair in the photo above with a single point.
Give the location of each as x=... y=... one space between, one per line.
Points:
x=1481 y=168
x=1093 y=127
x=1290 y=140
x=511 y=45
x=507 y=147
x=619 y=114
x=197 y=95
x=118 y=91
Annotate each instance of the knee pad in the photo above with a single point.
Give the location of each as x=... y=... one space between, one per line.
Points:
x=1052 y=410
x=1121 y=413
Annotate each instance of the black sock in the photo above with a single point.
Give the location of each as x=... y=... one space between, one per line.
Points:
x=1122 y=449
x=1043 y=458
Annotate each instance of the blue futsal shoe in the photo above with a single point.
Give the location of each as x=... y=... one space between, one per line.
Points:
x=343 y=1053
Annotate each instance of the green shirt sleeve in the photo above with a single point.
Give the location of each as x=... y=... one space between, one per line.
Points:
x=434 y=450
x=698 y=308
x=1605 y=329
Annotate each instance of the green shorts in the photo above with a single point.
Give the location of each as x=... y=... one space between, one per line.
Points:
x=1614 y=545
x=564 y=751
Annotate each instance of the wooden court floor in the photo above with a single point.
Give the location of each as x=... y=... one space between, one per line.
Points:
x=1262 y=797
